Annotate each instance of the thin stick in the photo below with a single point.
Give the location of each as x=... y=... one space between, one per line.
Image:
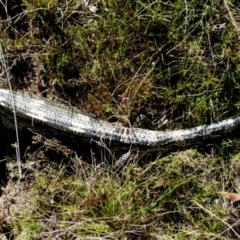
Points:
x=17 y=148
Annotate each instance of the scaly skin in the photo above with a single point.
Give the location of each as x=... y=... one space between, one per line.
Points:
x=58 y=119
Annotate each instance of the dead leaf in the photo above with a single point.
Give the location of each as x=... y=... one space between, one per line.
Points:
x=234 y=197
x=103 y=197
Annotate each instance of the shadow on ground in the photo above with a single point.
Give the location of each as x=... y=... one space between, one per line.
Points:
x=7 y=150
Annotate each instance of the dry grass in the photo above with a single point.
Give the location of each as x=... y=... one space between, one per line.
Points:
x=171 y=197
x=117 y=59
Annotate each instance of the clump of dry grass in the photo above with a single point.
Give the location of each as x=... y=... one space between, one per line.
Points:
x=117 y=59
x=172 y=196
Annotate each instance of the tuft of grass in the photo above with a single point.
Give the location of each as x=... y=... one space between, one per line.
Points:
x=174 y=196
x=177 y=61
x=162 y=57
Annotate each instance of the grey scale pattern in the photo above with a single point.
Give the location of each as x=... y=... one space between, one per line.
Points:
x=32 y=110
